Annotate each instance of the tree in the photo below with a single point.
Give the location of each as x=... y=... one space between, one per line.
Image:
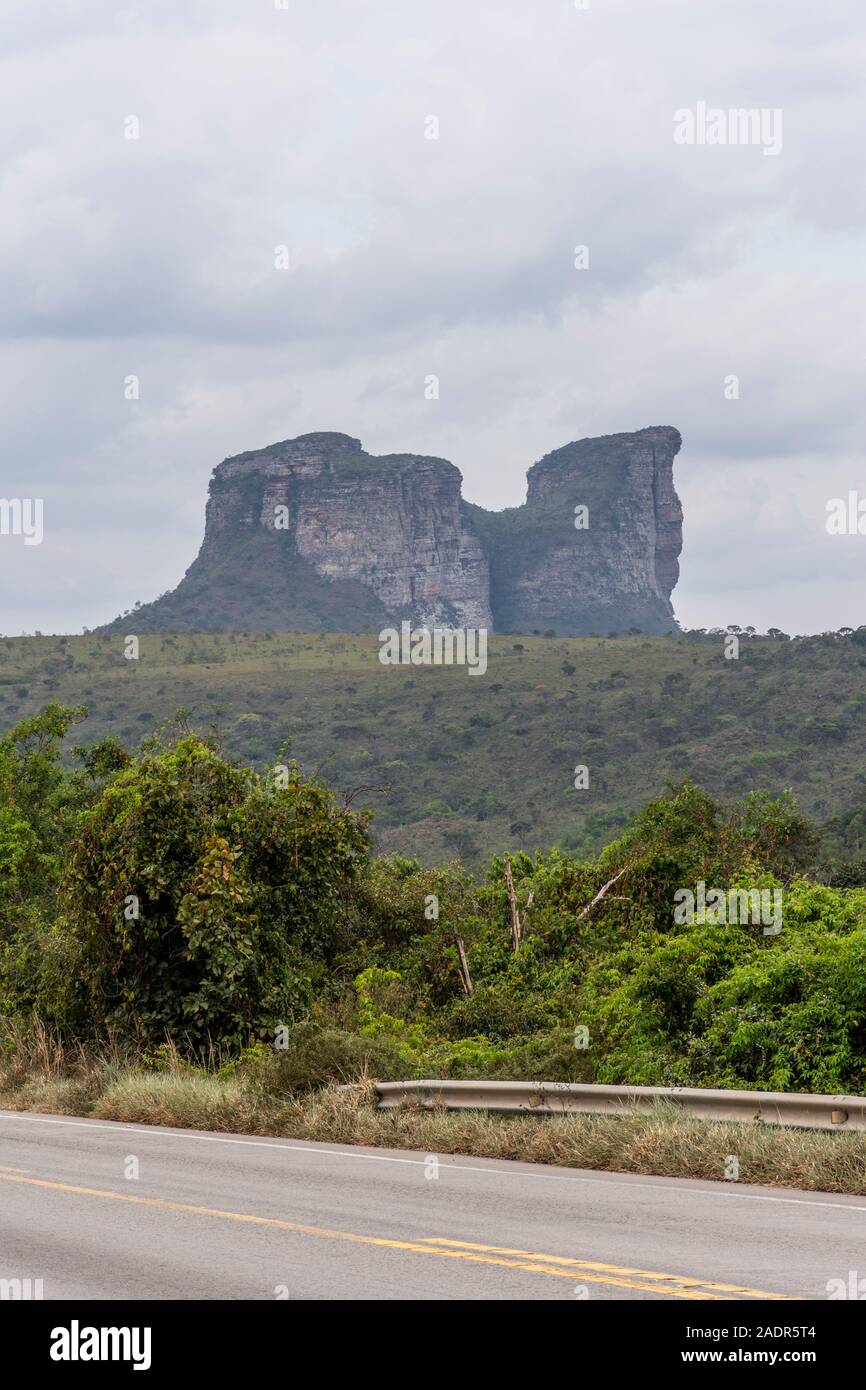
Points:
x=39 y=805
x=203 y=898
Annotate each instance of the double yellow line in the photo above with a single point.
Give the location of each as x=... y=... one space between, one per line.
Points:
x=555 y=1266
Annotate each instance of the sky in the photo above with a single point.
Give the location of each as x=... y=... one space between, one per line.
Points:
x=429 y=169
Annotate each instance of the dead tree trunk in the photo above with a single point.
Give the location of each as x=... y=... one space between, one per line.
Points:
x=465 y=977
x=517 y=922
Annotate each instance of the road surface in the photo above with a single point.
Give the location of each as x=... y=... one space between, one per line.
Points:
x=98 y=1210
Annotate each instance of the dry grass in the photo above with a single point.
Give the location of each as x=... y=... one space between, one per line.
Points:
x=187 y=1102
x=39 y=1076
x=662 y=1142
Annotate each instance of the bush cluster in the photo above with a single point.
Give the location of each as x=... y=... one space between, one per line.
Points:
x=177 y=895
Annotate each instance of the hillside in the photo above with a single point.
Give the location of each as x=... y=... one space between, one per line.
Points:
x=480 y=765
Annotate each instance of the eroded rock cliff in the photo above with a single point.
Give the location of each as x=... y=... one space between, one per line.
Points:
x=313 y=533
x=595 y=547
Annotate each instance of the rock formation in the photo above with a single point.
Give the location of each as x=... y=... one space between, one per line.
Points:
x=610 y=568
x=313 y=533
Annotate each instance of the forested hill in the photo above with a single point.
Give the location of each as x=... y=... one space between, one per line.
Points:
x=469 y=766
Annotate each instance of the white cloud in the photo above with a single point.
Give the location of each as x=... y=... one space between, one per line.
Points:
x=408 y=256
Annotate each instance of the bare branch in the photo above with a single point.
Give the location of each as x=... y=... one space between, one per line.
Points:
x=348 y=797
x=600 y=894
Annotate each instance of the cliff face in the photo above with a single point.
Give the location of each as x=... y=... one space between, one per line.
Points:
x=314 y=533
x=615 y=570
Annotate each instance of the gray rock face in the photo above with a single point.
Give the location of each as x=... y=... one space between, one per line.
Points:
x=617 y=572
x=314 y=533
x=393 y=523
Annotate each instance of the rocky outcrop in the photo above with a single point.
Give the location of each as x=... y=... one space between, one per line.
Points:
x=610 y=567
x=393 y=523
x=314 y=533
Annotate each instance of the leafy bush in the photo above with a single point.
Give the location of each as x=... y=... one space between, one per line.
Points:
x=727 y=1006
x=315 y=1056
x=203 y=899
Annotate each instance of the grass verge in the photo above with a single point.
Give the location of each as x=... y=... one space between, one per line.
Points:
x=254 y=1101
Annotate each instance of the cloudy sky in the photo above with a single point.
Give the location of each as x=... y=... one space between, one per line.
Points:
x=306 y=127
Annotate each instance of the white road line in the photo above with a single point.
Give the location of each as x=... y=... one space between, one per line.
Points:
x=721 y=1190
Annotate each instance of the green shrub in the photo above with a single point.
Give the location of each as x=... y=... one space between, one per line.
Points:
x=203 y=898
x=315 y=1056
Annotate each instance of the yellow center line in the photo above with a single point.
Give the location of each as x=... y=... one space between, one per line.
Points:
x=680 y=1280
x=551 y=1265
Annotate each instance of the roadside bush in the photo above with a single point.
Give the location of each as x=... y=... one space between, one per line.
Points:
x=203 y=899
x=316 y=1056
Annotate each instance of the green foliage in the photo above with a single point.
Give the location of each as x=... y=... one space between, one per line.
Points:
x=38 y=807
x=202 y=898
x=650 y=709
x=728 y=1006
x=315 y=1055
x=189 y=905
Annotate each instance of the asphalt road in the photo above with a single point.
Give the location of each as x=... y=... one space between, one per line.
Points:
x=227 y=1217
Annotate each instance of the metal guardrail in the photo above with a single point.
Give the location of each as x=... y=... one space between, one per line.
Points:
x=564 y=1098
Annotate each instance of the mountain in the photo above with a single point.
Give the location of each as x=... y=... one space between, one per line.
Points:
x=314 y=534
